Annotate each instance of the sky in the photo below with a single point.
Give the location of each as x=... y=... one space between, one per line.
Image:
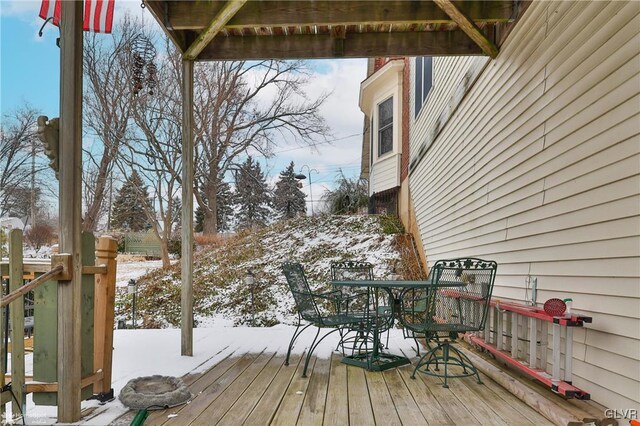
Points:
x=29 y=72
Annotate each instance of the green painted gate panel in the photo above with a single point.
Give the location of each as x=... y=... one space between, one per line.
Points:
x=45 y=335
x=45 y=339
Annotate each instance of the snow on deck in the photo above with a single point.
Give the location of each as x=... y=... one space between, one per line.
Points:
x=148 y=352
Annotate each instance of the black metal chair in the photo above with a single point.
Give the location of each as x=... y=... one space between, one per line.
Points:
x=360 y=303
x=307 y=305
x=457 y=302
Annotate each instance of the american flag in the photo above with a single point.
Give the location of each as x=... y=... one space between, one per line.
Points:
x=98 y=14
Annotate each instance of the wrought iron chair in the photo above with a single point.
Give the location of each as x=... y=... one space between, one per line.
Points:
x=359 y=302
x=456 y=302
x=308 y=310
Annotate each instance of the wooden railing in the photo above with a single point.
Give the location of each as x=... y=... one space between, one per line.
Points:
x=41 y=278
x=518 y=335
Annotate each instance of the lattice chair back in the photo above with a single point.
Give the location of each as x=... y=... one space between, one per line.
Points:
x=464 y=288
x=351 y=270
x=301 y=292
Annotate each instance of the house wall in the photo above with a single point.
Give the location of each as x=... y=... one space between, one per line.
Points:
x=380 y=86
x=537 y=166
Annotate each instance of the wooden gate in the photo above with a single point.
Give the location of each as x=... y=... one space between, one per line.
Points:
x=98 y=300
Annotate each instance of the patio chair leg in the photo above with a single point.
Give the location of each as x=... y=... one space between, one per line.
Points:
x=313 y=347
x=296 y=334
x=306 y=363
x=466 y=362
x=430 y=353
x=445 y=353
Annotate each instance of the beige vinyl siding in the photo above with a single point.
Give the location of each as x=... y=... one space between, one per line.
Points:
x=385 y=173
x=538 y=168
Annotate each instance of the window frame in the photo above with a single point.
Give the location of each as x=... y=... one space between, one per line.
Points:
x=420 y=91
x=379 y=129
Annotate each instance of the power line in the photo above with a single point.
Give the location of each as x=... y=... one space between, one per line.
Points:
x=319 y=143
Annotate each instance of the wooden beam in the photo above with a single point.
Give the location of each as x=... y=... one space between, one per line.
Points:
x=33 y=386
x=103 y=311
x=226 y=13
x=70 y=292
x=94 y=270
x=469 y=27
x=16 y=311
x=182 y=15
x=186 y=294
x=159 y=10
x=432 y=43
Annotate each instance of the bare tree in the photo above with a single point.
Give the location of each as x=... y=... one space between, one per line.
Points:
x=241 y=106
x=23 y=170
x=107 y=111
x=155 y=151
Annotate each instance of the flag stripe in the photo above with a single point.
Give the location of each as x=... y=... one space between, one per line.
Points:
x=98 y=14
x=109 y=25
x=50 y=9
x=87 y=11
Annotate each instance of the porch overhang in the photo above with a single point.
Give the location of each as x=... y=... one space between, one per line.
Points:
x=307 y=29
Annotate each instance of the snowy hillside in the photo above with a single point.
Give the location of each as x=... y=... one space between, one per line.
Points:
x=219 y=271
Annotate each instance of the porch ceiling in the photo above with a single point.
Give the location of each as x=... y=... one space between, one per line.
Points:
x=283 y=29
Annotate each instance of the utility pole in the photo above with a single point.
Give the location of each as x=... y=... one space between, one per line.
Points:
x=33 y=183
x=309 y=170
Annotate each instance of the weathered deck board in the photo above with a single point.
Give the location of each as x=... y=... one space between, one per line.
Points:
x=337 y=408
x=451 y=405
x=209 y=394
x=384 y=413
x=266 y=408
x=291 y=404
x=406 y=406
x=197 y=383
x=312 y=410
x=245 y=404
x=258 y=389
x=428 y=404
x=215 y=411
x=360 y=409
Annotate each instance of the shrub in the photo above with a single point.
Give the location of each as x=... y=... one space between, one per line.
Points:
x=39 y=235
x=391 y=224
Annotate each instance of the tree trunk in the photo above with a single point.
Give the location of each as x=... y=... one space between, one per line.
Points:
x=210 y=222
x=164 y=253
x=92 y=216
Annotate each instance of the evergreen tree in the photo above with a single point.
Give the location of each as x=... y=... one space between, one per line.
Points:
x=199 y=224
x=225 y=203
x=288 y=199
x=252 y=195
x=130 y=207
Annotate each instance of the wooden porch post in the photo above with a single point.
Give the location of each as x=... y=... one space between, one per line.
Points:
x=187 y=209
x=70 y=157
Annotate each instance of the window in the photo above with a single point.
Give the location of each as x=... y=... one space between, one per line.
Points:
x=424 y=80
x=371 y=141
x=385 y=127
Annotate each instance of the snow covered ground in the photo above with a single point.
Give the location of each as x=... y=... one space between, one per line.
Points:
x=133 y=270
x=146 y=352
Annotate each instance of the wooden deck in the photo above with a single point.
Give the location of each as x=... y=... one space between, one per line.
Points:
x=258 y=389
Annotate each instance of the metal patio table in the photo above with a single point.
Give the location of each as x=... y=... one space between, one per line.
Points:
x=376 y=359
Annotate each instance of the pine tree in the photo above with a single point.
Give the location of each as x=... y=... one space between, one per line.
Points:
x=199 y=224
x=288 y=199
x=129 y=208
x=225 y=203
x=252 y=195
